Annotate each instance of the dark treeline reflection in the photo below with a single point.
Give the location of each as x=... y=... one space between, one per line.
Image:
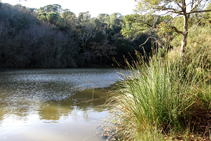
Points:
x=55 y=37
x=53 y=94
x=53 y=109
x=81 y=101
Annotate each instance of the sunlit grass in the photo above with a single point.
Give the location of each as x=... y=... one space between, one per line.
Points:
x=199 y=42
x=159 y=98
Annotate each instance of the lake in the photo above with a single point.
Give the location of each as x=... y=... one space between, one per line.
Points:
x=53 y=104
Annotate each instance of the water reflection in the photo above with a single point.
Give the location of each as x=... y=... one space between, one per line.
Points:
x=34 y=98
x=53 y=109
x=81 y=101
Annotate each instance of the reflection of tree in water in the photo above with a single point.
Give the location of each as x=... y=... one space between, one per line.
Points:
x=20 y=108
x=53 y=109
x=2 y=113
x=90 y=99
x=80 y=101
x=52 y=95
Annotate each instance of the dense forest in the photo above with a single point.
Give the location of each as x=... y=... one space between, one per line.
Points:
x=54 y=37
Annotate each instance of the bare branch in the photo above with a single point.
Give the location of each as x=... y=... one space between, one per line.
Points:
x=197 y=4
x=179 y=5
x=170 y=10
x=180 y=32
x=200 y=11
x=192 y=3
x=148 y=39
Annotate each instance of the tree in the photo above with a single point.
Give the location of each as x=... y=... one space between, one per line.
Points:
x=42 y=17
x=52 y=17
x=103 y=18
x=177 y=7
x=52 y=14
x=135 y=24
x=85 y=28
x=115 y=18
x=67 y=15
x=52 y=8
x=85 y=33
x=84 y=16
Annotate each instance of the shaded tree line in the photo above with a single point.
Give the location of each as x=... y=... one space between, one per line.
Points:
x=54 y=37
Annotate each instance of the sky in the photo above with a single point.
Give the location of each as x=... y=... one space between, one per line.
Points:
x=94 y=7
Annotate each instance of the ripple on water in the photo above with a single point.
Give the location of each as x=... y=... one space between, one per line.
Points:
x=54 y=101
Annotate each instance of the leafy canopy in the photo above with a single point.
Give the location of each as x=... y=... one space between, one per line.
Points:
x=179 y=7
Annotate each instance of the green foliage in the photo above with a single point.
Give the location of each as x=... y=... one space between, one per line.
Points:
x=158 y=97
x=51 y=8
x=42 y=17
x=25 y=43
x=198 y=43
x=51 y=13
x=96 y=40
x=163 y=29
x=103 y=18
x=128 y=30
x=52 y=17
x=68 y=16
x=186 y=9
x=61 y=22
x=97 y=23
x=136 y=24
x=115 y=19
x=206 y=17
x=84 y=16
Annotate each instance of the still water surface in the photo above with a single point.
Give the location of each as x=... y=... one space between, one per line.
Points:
x=53 y=104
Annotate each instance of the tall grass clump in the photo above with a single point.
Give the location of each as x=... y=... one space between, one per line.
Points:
x=158 y=98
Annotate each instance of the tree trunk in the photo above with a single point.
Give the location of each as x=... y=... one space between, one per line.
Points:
x=185 y=35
